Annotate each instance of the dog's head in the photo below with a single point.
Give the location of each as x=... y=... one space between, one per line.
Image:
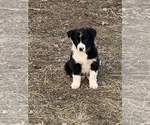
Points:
x=82 y=38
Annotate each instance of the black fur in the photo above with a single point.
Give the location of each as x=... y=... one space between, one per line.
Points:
x=87 y=38
x=95 y=65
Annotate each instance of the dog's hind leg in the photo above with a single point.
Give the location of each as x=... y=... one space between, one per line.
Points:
x=67 y=69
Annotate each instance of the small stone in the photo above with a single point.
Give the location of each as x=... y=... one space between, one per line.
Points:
x=64 y=123
x=105 y=9
x=60 y=98
x=31 y=112
x=105 y=23
x=87 y=96
x=36 y=67
x=66 y=24
x=63 y=40
x=55 y=45
x=59 y=60
x=4 y=112
x=73 y=95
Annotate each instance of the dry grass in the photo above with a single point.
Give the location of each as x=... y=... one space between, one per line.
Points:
x=52 y=101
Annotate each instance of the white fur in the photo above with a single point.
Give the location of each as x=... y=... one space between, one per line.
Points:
x=76 y=81
x=81 y=45
x=81 y=57
x=93 y=79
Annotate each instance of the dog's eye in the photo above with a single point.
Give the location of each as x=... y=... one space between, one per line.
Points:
x=78 y=38
x=83 y=39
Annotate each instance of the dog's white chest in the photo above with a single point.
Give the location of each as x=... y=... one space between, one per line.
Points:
x=86 y=66
x=81 y=58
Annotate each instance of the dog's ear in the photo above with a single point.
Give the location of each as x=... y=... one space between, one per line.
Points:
x=92 y=31
x=70 y=33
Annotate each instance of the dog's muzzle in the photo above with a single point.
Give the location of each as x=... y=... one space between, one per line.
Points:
x=81 y=47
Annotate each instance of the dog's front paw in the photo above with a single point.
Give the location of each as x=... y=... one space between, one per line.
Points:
x=75 y=85
x=93 y=85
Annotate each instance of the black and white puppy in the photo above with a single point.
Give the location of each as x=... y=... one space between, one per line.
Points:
x=84 y=57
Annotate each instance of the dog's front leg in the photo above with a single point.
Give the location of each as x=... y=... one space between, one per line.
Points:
x=76 y=81
x=76 y=76
x=93 y=75
x=93 y=79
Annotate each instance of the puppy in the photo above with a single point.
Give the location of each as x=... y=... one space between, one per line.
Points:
x=84 y=57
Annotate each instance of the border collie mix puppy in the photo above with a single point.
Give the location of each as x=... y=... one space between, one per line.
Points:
x=84 y=57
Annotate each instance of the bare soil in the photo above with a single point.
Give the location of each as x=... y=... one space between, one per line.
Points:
x=52 y=101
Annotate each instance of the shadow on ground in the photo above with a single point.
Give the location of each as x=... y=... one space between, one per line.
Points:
x=51 y=100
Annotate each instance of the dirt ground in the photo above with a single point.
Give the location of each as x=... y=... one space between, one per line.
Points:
x=52 y=101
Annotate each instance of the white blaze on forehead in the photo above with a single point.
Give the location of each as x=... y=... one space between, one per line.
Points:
x=80 y=45
x=80 y=35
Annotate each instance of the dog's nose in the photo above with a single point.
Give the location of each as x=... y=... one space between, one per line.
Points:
x=81 y=48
